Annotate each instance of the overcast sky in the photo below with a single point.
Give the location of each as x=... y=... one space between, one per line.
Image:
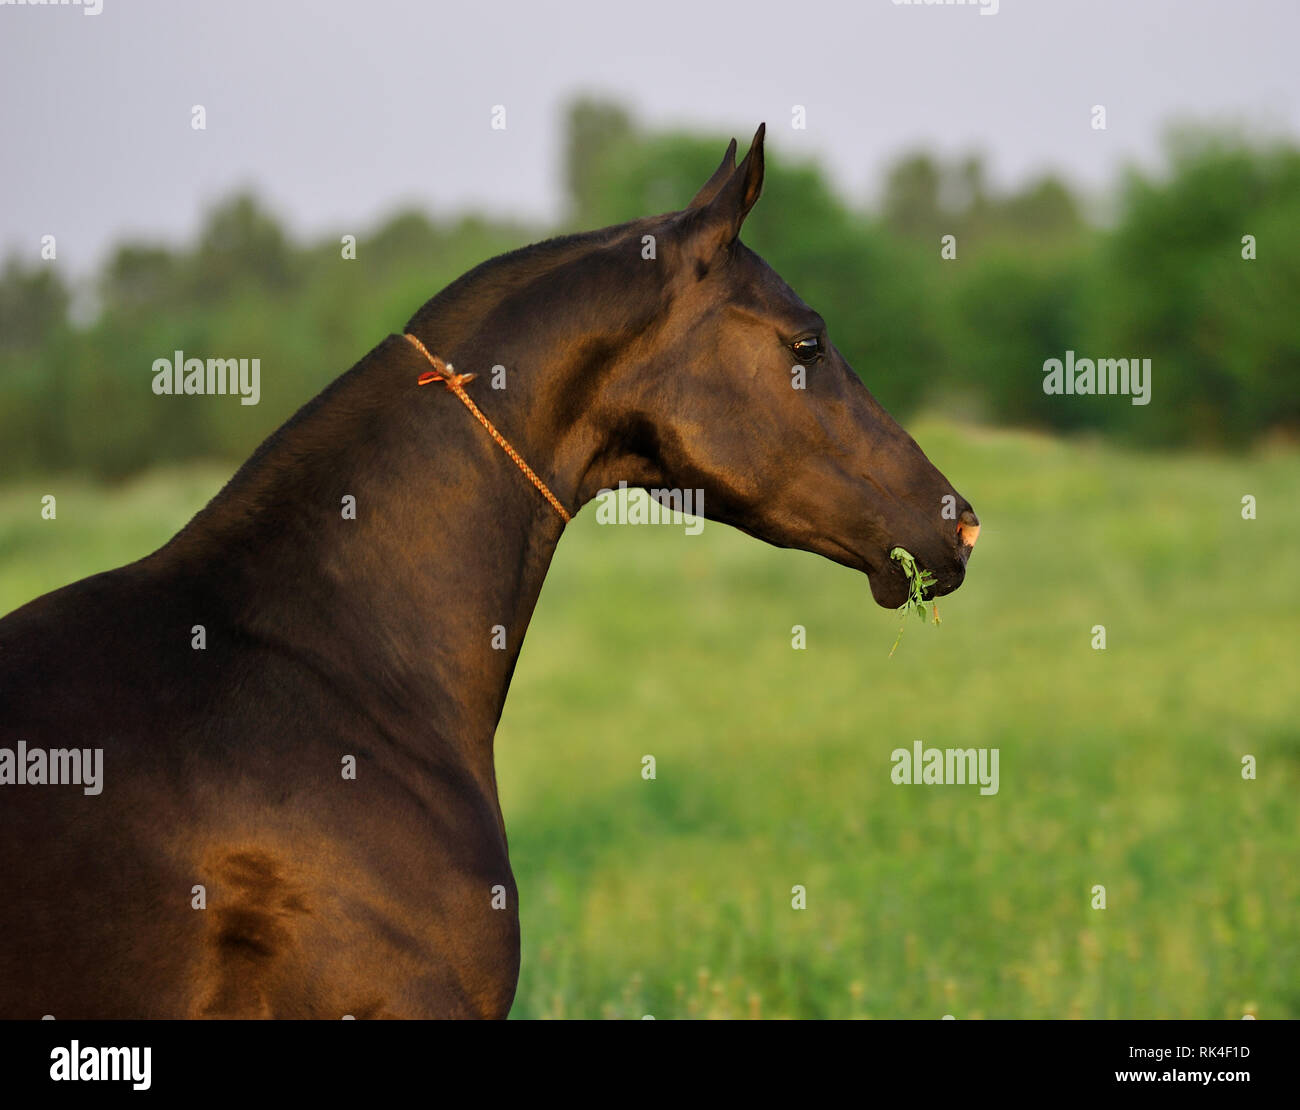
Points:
x=336 y=112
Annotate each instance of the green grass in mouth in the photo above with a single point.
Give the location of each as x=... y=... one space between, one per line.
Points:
x=918 y=582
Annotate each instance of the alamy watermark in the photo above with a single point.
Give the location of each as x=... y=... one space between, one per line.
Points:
x=26 y=766
x=1107 y=376
x=987 y=7
x=88 y=7
x=88 y=1064
x=924 y=766
x=662 y=506
x=179 y=375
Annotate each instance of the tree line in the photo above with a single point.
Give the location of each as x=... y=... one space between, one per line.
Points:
x=945 y=292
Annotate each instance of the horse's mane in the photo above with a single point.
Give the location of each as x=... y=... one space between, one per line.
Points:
x=484 y=285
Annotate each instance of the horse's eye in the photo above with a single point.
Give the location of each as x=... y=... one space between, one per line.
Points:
x=808 y=349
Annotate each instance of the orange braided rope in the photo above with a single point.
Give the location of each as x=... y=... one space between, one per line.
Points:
x=444 y=372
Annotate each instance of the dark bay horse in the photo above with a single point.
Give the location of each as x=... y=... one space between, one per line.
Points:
x=298 y=812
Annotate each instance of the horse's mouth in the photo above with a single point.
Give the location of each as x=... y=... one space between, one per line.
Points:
x=891 y=589
x=889 y=585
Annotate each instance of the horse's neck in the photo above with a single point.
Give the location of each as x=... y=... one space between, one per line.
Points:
x=386 y=541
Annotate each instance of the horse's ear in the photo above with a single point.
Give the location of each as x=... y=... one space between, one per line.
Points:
x=710 y=188
x=720 y=216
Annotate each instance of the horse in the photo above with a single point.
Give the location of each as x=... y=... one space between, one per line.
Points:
x=296 y=696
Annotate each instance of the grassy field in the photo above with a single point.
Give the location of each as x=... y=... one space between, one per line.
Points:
x=1119 y=768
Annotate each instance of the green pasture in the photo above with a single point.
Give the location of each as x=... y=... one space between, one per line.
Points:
x=1119 y=767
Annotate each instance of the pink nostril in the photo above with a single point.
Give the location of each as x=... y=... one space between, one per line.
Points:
x=968 y=528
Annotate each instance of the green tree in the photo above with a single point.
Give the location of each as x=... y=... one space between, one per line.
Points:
x=592 y=128
x=33 y=305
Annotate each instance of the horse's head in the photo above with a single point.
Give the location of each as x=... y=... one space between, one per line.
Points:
x=739 y=392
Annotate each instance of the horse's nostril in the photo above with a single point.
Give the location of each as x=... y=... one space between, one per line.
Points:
x=968 y=528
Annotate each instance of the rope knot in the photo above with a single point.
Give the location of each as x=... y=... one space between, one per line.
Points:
x=445 y=372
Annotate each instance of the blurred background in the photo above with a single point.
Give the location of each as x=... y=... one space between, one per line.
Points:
x=1119 y=767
